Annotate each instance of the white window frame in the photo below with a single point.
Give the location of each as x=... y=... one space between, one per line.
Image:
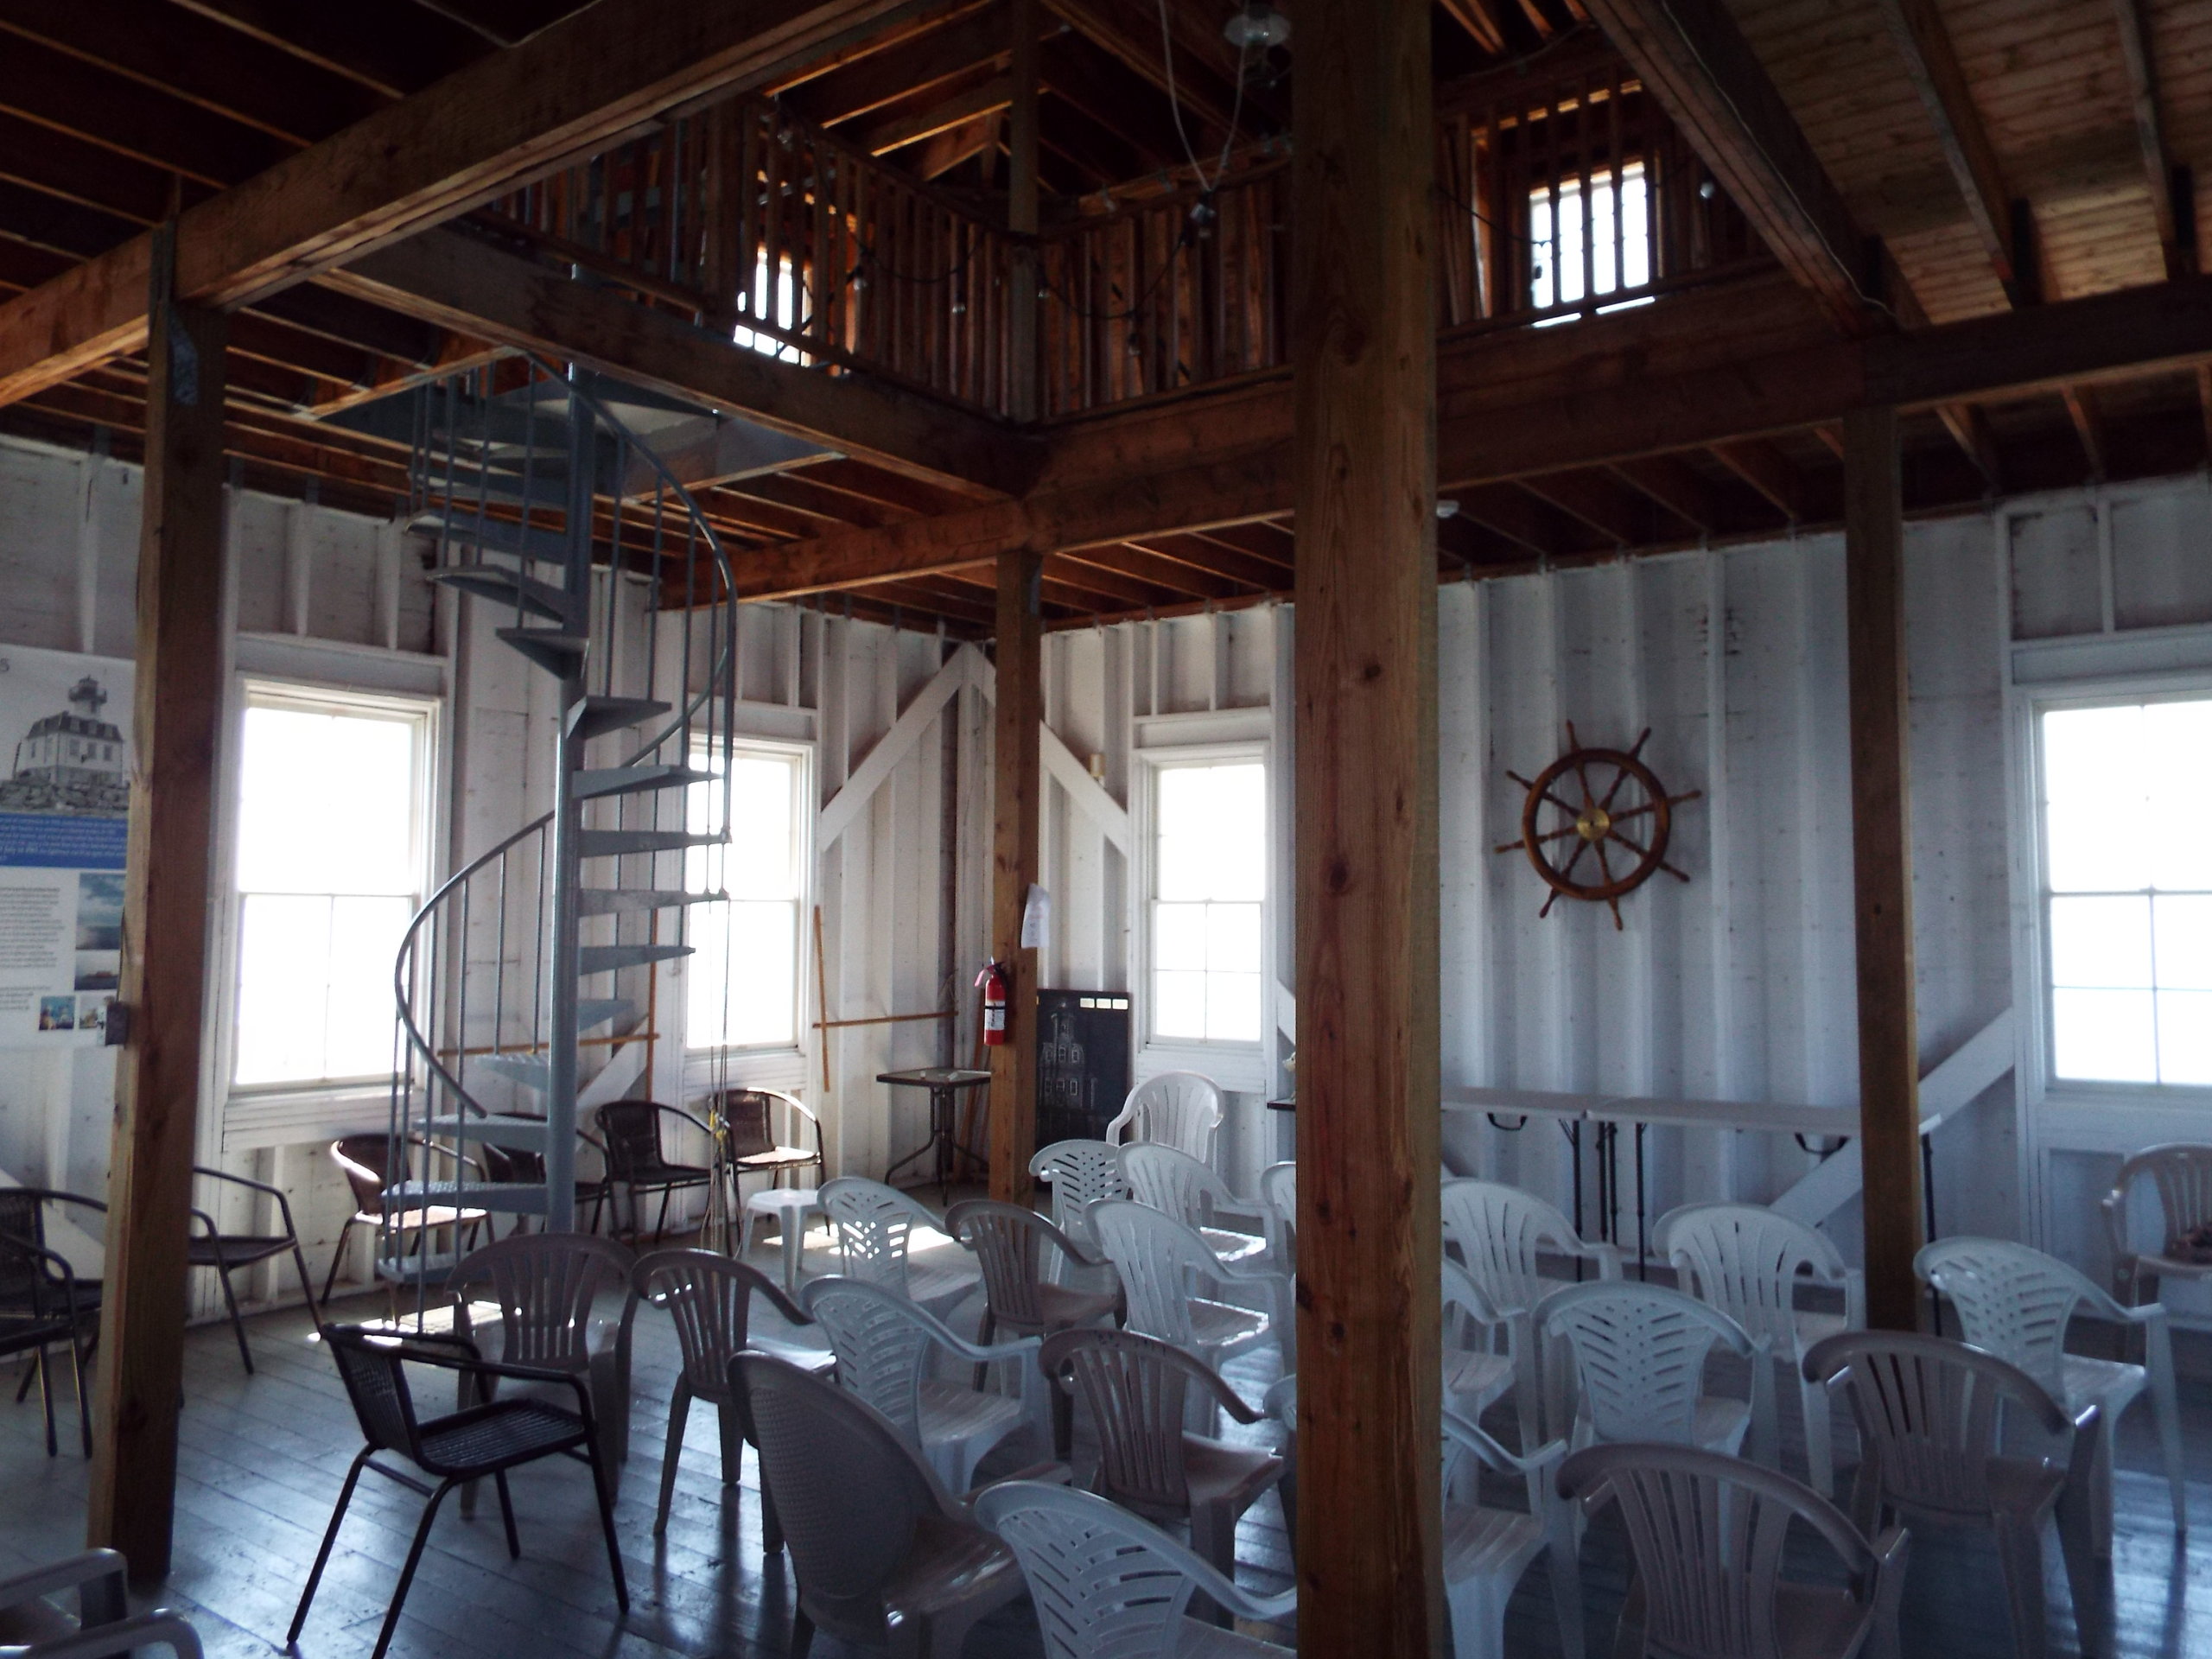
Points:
x=1238 y=1066
x=260 y=689
x=781 y=1065
x=2100 y=1111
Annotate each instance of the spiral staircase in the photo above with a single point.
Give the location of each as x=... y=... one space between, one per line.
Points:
x=530 y=969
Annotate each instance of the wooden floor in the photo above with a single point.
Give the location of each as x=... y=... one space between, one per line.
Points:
x=263 y=1457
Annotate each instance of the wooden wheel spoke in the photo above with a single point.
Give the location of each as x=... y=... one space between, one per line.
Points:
x=1571 y=811
x=1567 y=873
x=1589 y=796
x=1604 y=863
x=1635 y=812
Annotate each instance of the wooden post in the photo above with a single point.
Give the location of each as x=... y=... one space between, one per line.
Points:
x=1369 y=1573
x=1881 y=833
x=177 y=716
x=1013 y=868
x=1022 y=220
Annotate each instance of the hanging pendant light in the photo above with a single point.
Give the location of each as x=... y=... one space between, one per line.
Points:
x=1258 y=25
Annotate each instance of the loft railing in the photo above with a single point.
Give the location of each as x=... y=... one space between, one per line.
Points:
x=1558 y=194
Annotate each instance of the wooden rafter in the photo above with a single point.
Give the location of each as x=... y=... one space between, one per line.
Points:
x=2176 y=237
x=1767 y=470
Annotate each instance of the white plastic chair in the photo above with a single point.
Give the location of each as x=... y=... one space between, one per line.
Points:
x=1279 y=1196
x=883 y=1555
x=1487 y=1550
x=1931 y=1417
x=882 y=1342
x=1080 y=1172
x=1748 y=1262
x=1161 y=1262
x=28 y=1614
x=2017 y=1302
x=1639 y=1356
x=1178 y=1185
x=1502 y=1235
x=875 y=1228
x=1707 y=1533
x=1181 y=1109
x=1473 y=1375
x=2182 y=1174
x=1108 y=1585
x=550 y=1288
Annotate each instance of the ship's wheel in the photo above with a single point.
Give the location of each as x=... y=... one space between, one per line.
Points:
x=1596 y=822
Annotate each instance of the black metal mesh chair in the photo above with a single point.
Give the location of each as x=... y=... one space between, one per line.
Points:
x=210 y=1247
x=43 y=1301
x=637 y=1162
x=473 y=1444
x=750 y=1146
x=509 y=1166
x=365 y=1161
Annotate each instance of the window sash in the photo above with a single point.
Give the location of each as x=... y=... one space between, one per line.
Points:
x=1204 y=935
x=749 y=953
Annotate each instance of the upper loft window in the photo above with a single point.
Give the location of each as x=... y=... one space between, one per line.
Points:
x=332 y=847
x=1210 y=875
x=743 y=980
x=2128 y=891
x=773 y=298
x=1584 y=244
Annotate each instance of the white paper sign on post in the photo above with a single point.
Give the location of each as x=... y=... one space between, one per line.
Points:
x=1037 y=920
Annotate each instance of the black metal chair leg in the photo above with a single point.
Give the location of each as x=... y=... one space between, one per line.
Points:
x=84 y=1404
x=599 y=1486
x=407 y=1573
x=23 y=1387
x=507 y=1514
x=660 y=1222
x=329 y=1537
x=306 y=1284
x=772 y=1526
x=802 y=1633
x=337 y=1256
x=46 y=1400
x=237 y=1324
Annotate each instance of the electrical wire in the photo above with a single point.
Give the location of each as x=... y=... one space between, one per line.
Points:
x=1175 y=107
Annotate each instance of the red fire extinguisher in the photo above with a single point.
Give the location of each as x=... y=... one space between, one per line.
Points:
x=993 y=979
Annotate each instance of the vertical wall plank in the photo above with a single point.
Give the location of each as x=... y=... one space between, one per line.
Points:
x=1021 y=217
x=178 y=721
x=1016 y=783
x=1369 y=1574
x=1888 y=1043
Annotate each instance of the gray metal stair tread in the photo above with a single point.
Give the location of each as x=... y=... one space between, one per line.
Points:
x=518 y=1133
x=599 y=1010
x=555 y=649
x=509 y=1198
x=539 y=543
x=505 y=585
x=616 y=843
x=605 y=958
x=623 y=901
x=516 y=1068
x=600 y=782
x=592 y=717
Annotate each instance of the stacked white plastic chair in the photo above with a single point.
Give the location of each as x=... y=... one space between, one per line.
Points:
x=1707 y=1533
x=1108 y=1585
x=1487 y=1550
x=1502 y=1235
x=883 y=1344
x=1749 y=1264
x=1639 y=1354
x=1080 y=1172
x=1165 y=1267
x=2017 y=1302
x=1178 y=1185
x=875 y=1226
x=1474 y=1373
x=1181 y=1109
x=1279 y=1197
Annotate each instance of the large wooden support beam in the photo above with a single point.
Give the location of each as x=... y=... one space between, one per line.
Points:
x=453 y=280
x=1881 y=833
x=1694 y=57
x=1370 y=1579
x=1021 y=217
x=2173 y=208
x=1015 y=786
x=577 y=85
x=177 y=722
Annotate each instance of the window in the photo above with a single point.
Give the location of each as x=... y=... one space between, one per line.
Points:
x=2128 y=891
x=1618 y=250
x=1210 y=873
x=742 y=981
x=332 y=849
x=775 y=303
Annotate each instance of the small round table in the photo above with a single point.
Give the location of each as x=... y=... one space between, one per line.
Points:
x=790 y=1206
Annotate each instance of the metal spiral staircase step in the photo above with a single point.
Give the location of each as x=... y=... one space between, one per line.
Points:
x=593 y=717
x=515 y=1134
x=635 y=780
x=505 y=586
x=620 y=843
x=536 y=543
x=507 y=1197
x=626 y=901
x=554 y=650
x=610 y=958
x=594 y=1011
x=530 y=1072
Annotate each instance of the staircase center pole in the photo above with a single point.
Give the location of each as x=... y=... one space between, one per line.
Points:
x=568 y=866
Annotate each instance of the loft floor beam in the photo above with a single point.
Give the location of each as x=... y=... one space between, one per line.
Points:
x=177 y=721
x=570 y=89
x=1016 y=781
x=1881 y=836
x=1370 y=1577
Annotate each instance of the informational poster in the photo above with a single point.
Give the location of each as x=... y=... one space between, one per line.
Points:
x=65 y=805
